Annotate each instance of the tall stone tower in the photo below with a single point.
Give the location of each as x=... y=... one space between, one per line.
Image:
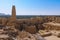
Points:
x=13 y=13
x=12 y=19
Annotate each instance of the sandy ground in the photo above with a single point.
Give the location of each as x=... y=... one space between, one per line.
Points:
x=52 y=38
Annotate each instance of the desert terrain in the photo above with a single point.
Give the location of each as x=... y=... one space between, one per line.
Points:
x=33 y=28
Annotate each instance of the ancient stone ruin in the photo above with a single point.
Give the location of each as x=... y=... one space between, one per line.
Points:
x=13 y=28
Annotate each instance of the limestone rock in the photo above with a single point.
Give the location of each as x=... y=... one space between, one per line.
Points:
x=4 y=21
x=52 y=26
x=31 y=29
x=58 y=35
x=25 y=36
x=38 y=36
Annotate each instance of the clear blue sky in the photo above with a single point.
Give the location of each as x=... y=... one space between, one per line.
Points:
x=31 y=7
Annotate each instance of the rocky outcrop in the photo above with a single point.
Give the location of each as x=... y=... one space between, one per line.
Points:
x=3 y=21
x=52 y=26
x=23 y=35
x=31 y=29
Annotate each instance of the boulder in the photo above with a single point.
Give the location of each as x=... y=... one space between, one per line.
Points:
x=44 y=33
x=38 y=36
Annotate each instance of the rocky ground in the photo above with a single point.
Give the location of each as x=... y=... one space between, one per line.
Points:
x=8 y=33
x=50 y=35
x=52 y=38
x=12 y=34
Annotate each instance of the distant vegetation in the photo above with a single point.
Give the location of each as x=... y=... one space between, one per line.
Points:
x=28 y=16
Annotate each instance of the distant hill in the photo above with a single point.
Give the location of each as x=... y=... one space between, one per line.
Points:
x=1 y=14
